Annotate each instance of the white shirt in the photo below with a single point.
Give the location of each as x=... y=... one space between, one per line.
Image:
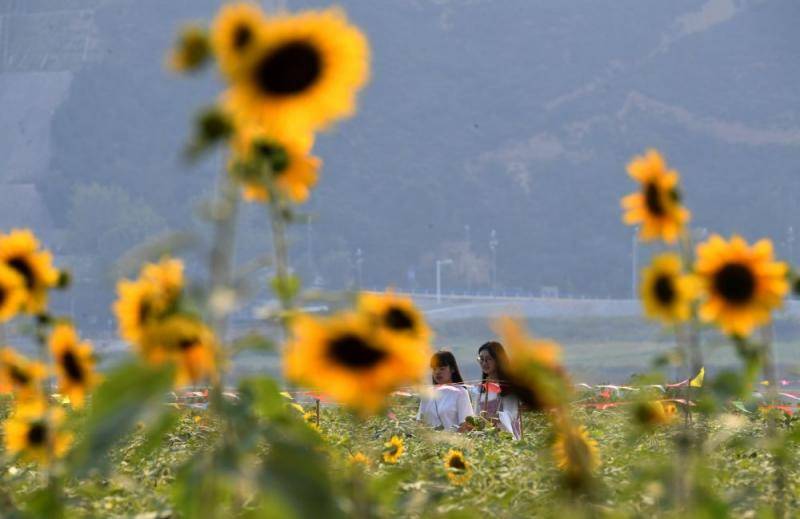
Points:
x=447 y=406
x=504 y=408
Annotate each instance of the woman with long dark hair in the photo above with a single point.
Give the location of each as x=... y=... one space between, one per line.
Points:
x=494 y=399
x=448 y=405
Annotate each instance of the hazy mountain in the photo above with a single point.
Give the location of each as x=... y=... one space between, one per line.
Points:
x=513 y=115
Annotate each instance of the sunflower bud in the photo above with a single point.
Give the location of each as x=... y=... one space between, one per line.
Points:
x=211 y=126
x=191 y=52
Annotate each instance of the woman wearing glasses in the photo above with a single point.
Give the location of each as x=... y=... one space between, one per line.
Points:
x=493 y=398
x=448 y=406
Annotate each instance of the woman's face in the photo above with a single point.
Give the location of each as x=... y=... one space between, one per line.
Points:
x=442 y=374
x=488 y=364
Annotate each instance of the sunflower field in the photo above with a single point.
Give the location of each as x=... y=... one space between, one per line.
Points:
x=168 y=432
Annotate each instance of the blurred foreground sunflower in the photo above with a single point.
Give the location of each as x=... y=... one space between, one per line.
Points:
x=344 y=357
x=235 y=35
x=148 y=298
x=458 y=470
x=264 y=157
x=537 y=375
x=652 y=413
x=74 y=361
x=667 y=293
x=19 y=250
x=575 y=453
x=12 y=293
x=185 y=342
x=393 y=449
x=20 y=375
x=396 y=315
x=33 y=431
x=657 y=206
x=305 y=73
x=741 y=284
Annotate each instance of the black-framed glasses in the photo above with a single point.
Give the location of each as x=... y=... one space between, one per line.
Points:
x=481 y=360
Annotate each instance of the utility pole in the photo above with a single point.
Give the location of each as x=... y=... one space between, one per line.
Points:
x=439 y=264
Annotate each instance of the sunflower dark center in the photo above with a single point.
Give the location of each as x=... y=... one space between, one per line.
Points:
x=3 y=295
x=72 y=367
x=37 y=434
x=242 y=37
x=354 y=352
x=145 y=309
x=457 y=463
x=399 y=319
x=274 y=153
x=289 y=69
x=187 y=344
x=652 y=199
x=18 y=375
x=24 y=269
x=664 y=290
x=735 y=283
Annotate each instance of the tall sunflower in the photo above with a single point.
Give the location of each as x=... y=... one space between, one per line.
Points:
x=393 y=449
x=306 y=71
x=12 y=292
x=395 y=315
x=667 y=293
x=741 y=284
x=19 y=250
x=457 y=467
x=148 y=298
x=34 y=432
x=346 y=358
x=264 y=156
x=535 y=368
x=235 y=36
x=184 y=341
x=74 y=362
x=20 y=375
x=657 y=206
x=575 y=453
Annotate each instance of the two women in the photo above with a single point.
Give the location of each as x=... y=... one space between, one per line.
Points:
x=450 y=403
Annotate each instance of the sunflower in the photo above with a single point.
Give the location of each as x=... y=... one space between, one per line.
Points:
x=74 y=362
x=235 y=35
x=20 y=375
x=657 y=207
x=34 y=432
x=12 y=292
x=19 y=250
x=264 y=156
x=575 y=452
x=458 y=470
x=535 y=370
x=184 y=341
x=393 y=449
x=306 y=71
x=359 y=459
x=652 y=413
x=147 y=299
x=666 y=292
x=741 y=283
x=191 y=51
x=346 y=358
x=395 y=314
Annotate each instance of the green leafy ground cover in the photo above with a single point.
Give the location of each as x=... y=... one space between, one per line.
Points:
x=509 y=479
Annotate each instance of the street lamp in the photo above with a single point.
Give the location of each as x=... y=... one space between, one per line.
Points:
x=439 y=264
x=493 y=247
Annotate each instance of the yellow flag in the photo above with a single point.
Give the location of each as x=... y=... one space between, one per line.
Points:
x=698 y=380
